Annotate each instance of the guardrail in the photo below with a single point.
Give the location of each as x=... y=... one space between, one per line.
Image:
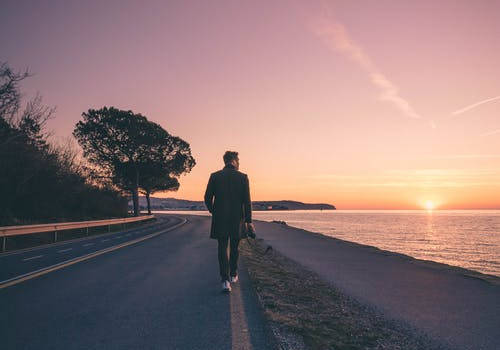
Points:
x=8 y=231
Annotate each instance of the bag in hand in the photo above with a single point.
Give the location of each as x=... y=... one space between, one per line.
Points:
x=248 y=231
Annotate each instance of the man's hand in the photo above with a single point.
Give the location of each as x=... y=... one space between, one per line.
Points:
x=250 y=229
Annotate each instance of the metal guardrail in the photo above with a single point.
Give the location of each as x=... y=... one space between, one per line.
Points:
x=9 y=231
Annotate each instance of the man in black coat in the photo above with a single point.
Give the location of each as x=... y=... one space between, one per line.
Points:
x=231 y=214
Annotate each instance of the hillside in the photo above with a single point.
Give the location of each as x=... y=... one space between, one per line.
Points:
x=183 y=204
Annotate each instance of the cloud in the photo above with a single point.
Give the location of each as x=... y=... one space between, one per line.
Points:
x=390 y=93
x=465 y=109
x=425 y=184
x=445 y=172
x=415 y=178
x=468 y=156
x=491 y=133
x=336 y=37
x=402 y=174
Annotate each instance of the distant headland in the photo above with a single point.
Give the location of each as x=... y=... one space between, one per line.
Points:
x=183 y=204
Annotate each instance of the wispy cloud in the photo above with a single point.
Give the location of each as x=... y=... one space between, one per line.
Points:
x=474 y=105
x=491 y=133
x=336 y=37
x=416 y=178
x=467 y=156
x=412 y=173
x=445 y=172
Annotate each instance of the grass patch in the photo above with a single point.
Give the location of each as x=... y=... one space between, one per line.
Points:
x=300 y=303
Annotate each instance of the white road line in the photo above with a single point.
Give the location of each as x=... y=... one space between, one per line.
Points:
x=33 y=257
x=64 y=250
x=33 y=274
x=105 y=240
x=86 y=245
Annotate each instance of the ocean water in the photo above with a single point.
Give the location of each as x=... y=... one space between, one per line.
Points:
x=465 y=238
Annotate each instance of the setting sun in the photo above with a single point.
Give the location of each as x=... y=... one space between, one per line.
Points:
x=429 y=205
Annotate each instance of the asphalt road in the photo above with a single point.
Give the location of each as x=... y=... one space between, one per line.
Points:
x=24 y=261
x=161 y=293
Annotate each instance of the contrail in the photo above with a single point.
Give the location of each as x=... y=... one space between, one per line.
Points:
x=465 y=109
x=336 y=38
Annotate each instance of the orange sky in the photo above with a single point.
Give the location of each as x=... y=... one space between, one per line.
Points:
x=380 y=104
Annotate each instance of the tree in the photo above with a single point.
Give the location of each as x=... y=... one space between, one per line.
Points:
x=116 y=141
x=156 y=177
x=25 y=158
x=125 y=145
x=39 y=180
x=162 y=174
x=10 y=93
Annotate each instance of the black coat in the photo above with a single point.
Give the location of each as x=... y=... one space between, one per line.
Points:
x=232 y=206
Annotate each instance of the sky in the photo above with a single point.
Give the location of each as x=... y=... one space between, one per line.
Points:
x=384 y=104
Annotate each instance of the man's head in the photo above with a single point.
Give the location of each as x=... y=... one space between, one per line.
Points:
x=232 y=158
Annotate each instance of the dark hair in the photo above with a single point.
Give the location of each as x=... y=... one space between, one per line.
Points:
x=229 y=156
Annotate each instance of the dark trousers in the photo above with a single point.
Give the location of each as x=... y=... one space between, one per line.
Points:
x=228 y=265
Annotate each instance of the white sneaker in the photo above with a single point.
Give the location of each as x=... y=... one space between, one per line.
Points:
x=226 y=286
x=234 y=279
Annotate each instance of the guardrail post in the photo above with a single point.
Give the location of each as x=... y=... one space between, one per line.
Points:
x=55 y=236
x=4 y=243
x=109 y=229
x=87 y=230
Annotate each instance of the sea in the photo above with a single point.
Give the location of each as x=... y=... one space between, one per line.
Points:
x=465 y=238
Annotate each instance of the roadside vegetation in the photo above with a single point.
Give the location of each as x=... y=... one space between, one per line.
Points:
x=305 y=312
x=44 y=181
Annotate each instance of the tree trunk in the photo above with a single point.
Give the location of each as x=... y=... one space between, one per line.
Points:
x=135 y=200
x=149 y=202
x=135 y=193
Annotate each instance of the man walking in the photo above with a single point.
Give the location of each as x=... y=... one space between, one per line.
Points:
x=227 y=198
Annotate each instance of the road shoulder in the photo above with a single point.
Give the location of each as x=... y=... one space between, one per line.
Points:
x=305 y=312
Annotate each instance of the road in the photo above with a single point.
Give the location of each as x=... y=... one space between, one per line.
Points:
x=160 y=293
x=17 y=263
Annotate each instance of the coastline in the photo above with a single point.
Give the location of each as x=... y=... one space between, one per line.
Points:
x=422 y=262
x=451 y=304
x=305 y=312
x=476 y=255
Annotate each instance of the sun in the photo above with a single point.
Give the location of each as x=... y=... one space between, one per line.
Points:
x=429 y=205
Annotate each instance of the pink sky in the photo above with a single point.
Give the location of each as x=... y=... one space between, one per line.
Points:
x=361 y=104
